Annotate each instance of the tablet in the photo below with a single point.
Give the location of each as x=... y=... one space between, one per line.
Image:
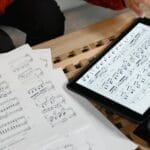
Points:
x=119 y=79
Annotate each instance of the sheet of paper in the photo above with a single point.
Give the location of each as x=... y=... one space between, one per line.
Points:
x=45 y=57
x=21 y=124
x=83 y=139
x=60 y=112
x=110 y=135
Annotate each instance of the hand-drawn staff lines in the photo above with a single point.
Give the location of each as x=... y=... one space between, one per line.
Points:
x=14 y=127
x=73 y=146
x=20 y=63
x=42 y=90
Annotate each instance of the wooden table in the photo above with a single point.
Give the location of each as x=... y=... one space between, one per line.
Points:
x=74 y=51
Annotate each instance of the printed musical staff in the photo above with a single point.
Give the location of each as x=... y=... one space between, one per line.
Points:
x=122 y=74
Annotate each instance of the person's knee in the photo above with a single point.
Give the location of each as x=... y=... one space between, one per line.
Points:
x=50 y=17
x=6 y=43
x=41 y=20
x=49 y=20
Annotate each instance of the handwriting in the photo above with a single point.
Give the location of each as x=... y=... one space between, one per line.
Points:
x=42 y=91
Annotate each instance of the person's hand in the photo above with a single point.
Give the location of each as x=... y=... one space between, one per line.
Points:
x=135 y=5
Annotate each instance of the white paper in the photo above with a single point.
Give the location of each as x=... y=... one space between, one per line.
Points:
x=83 y=139
x=110 y=135
x=21 y=124
x=60 y=112
x=45 y=57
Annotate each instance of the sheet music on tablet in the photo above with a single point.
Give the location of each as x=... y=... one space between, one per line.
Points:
x=123 y=74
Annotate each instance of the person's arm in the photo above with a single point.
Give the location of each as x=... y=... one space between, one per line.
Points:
x=113 y=4
x=4 y=4
x=134 y=5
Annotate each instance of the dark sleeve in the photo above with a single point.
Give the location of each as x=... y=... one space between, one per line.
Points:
x=4 y=4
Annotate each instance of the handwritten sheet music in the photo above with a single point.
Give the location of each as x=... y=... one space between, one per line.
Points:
x=58 y=110
x=44 y=55
x=123 y=74
x=104 y=129
x=11 y=107
x=21 y=124
x=18 y=122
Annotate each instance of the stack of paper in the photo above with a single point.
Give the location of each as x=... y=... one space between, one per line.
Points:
x=37 y=112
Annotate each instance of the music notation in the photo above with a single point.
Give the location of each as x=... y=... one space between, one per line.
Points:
x=36 y=81
x=19 y=120
x=13 y=122
x=13 y=127
x=44 y=56
x=9 y=107
x=42 y=91
x=55 y=110
x=123 y=73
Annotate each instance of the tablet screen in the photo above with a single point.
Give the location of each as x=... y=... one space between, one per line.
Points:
x=122 y=75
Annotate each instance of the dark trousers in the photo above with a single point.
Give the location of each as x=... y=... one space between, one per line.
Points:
x=41 y=20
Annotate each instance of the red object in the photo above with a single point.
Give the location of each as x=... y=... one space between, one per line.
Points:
x=113 y=4
x=4 y=4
